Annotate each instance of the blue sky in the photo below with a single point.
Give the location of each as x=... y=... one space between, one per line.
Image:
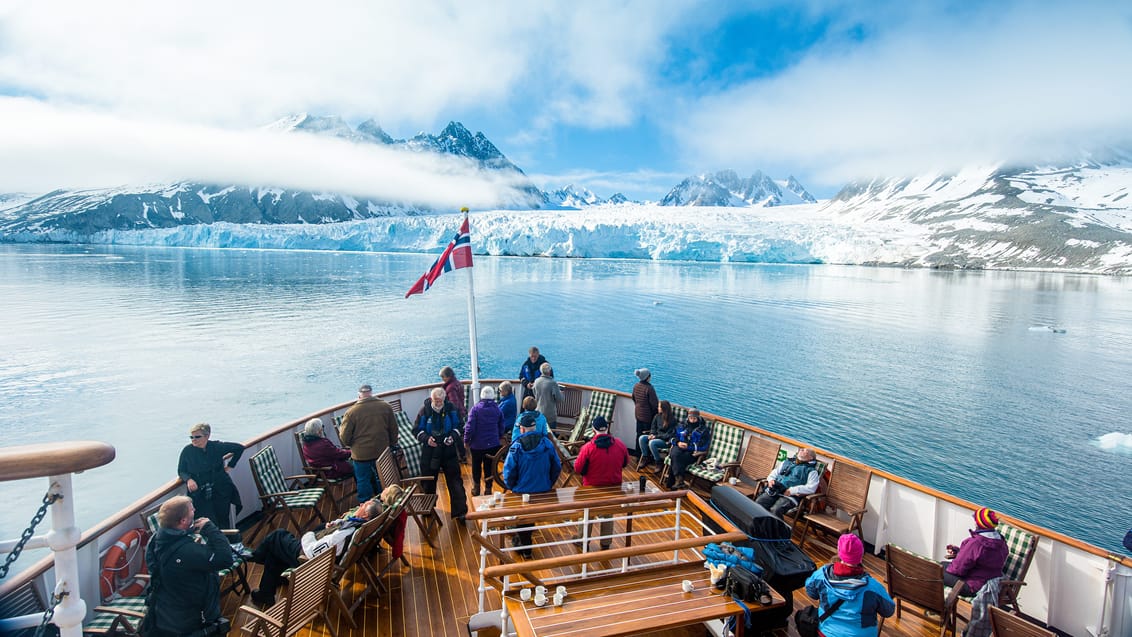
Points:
x=627 y=96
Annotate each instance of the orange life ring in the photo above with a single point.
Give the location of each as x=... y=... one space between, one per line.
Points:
x=116 y=563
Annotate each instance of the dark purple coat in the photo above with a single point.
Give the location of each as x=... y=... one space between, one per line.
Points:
x=485 y=426
x=980 y=558
x=320 y=452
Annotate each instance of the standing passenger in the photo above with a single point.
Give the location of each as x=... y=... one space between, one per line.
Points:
x=532 y=466
x=507 y=405
x=440 y=429
x=204 y=470
x=600 y=463
x=530 y=371
x=529 y=407
x=645 y=405
x=483 y=433
x=454 y=391
x=368 y=429
x=548 y=394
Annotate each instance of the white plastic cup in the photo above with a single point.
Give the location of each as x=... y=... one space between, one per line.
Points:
x=561 y=590
x=498 y=496
x=525 y=594
x=688 y=586
x=559 y=599
x=540 y=600
x=526 y=497
x=733 y=480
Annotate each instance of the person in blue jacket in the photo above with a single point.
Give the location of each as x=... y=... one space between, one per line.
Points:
x=440 y=429
x=862 y=597
x=530 y=407
x=689 y=445
x=532 y=466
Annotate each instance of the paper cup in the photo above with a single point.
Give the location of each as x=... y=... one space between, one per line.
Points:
x=526 y=497
x=688 y=586
x=733 y=481
x=525 y=594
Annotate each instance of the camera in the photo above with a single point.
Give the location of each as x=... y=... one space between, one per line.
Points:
x=206 y=491
x=216 y=628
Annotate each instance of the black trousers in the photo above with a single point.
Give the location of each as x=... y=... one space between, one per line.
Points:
x=481 y=463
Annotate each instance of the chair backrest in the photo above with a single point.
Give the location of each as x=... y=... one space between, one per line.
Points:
x=601 y=404
x=760 y=457
x=410 y=446
x=307 y=466
x=571 y=403
x=679 y=413
x=361 y=542
x=388 y=473
x=915 y=578
x=307 y=588
x=848 y=487
x=267 y=472
x=726 y=441
x=1021 y=545
x=582 y=424
x=1006 y=624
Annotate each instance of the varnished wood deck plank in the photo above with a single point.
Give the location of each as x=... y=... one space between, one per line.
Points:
x=435 y=595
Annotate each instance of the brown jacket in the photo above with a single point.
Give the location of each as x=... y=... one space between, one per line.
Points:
x=368 y=428
x=645 y=403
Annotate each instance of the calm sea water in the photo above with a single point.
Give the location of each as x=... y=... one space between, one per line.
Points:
x=938 y=376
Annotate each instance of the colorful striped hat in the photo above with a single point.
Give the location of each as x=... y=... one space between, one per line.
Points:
x=986 y=519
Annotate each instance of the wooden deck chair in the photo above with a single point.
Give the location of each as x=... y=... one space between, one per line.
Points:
x=306 y=598
x=602 y=404
x=847 y=493
x=760 y=457
x=1005 y=624
x=359 y=554
x=345 y=487
x=711 y=425
x=1022 y=546
x=283 y=496
x=726 y=442
x=420 y=506
x=122 y=616
x=238 y=570
x=917 y=580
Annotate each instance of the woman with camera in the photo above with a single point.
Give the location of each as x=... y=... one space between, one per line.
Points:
x=204 y=467
x=439 y=428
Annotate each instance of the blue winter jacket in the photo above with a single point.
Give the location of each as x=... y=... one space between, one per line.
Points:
x=865 y=598
x=540 y=425
x=510 y=410
x=532 y=464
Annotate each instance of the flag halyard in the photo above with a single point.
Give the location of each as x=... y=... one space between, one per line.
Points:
x=457 y=255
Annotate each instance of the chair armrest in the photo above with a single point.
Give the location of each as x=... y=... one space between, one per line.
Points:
x=302 y=476
x=279 y=494
x=258 y=614
x=119 y=611
x=856 y=513
x=418 y=479
x=953 y=596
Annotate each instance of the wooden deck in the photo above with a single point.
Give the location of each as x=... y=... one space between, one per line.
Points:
x=436 y=594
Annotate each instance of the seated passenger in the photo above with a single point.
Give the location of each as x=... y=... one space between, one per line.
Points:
x=794 y=478
x=320 y=452
x=529 y=407
x=280 y=551
x=859 y=597
x=979 y=557
x=689 y=444
x=655 y=440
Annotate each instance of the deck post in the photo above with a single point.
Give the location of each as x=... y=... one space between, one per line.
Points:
x=62 y=538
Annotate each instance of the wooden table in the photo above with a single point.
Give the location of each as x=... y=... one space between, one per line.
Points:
x=628 y=603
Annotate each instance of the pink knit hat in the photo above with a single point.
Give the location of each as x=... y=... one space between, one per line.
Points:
x=850 y=549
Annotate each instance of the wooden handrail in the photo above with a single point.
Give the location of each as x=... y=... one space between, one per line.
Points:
x=554 y=507
x=52 y=459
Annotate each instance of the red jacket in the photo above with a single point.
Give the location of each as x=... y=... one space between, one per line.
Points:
x=601 y=460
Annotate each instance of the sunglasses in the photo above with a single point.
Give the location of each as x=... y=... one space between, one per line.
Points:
x=196 y=437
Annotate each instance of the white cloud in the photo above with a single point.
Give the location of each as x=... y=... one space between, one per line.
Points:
x=1028 y=83
x=47 y=148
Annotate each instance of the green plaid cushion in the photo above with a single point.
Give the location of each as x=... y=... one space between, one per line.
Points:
x=410 y=446
x=469 y=399
x=581 y=425
x=103 y=620
x=702 y=471
x=726 y=441
x=601 y=404
x=680 y=414
x=266 y=466
x=304 y=498
x=1020 y=544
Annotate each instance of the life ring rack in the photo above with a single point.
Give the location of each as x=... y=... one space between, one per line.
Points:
x=116 y=564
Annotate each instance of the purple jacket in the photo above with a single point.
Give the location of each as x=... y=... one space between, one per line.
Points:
x=980 y=558
x=320 y=452
x=484 y=427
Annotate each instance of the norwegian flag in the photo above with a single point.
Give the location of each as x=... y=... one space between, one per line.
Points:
x=457 y=255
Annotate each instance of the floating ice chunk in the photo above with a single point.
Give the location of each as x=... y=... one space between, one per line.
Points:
x=1047 y=328
x=1115 y=441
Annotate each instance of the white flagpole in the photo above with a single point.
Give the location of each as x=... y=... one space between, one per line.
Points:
x=472 y=321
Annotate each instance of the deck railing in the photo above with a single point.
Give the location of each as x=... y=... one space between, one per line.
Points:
x=56 y=461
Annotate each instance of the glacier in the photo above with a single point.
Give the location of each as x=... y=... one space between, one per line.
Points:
x=787 y=234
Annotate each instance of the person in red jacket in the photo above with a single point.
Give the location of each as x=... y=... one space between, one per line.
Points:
x=600 y=463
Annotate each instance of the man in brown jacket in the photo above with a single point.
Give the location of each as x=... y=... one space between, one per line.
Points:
x=368 y=429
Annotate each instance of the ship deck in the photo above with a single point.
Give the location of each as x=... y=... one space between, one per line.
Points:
x=437 y=592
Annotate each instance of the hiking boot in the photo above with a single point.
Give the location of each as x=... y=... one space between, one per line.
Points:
x=643 y=462
x=475 y=490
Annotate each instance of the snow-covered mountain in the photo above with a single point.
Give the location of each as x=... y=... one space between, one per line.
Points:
x=726 y=188
x=186 y=203
x=572 y=196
